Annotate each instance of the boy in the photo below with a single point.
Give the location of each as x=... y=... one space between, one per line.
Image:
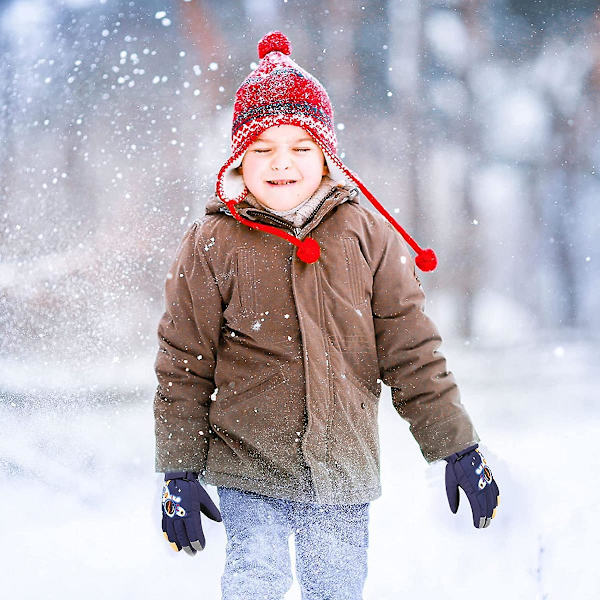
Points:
x=297 y=344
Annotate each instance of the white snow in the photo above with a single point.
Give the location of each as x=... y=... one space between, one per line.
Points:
x=81 y=503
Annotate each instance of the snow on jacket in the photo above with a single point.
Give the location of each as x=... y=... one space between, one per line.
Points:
x=269 y=369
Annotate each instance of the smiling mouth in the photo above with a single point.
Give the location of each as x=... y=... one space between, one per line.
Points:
x=281 y=181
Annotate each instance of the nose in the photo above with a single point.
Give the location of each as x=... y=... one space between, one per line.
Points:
x=280 y=161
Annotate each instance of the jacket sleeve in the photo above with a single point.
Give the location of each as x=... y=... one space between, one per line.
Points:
x=424 y=392
x=188 y=336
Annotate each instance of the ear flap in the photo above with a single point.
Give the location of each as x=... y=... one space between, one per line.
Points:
x=233 y=182
x=335 y=172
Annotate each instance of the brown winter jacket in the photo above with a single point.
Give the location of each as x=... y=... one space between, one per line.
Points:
x=297 y=353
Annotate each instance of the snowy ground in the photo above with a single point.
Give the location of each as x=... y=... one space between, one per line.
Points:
x=80 y=513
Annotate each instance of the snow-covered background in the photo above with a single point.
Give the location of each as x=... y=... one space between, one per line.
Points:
x=477 y=126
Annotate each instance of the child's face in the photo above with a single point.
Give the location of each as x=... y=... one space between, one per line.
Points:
x=283 y=153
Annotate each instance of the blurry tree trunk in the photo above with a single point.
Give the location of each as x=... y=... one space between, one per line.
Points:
x=80 y=202
x=563 y=234
x=202 y=30
x=470 y=258
x=370 y=46
x=469 y=136
x=417 y=148
x=339 y=65
x=7 y=133
x=404 y=125
x=534 y=297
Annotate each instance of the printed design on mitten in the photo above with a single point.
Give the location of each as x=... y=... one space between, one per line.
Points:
x=484 y=472
x=171 y=503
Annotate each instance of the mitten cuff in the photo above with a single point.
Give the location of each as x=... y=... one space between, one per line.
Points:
x=458 y=455
x=189 y=475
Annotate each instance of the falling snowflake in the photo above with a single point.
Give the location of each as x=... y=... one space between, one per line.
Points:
x=256 y=325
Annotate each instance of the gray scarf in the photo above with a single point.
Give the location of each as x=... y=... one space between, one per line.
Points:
x=298 y=215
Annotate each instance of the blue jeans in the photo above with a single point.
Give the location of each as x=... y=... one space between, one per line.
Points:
x=331 y=547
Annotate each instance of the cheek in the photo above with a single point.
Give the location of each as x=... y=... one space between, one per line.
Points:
x=314 y=168
x=247 y=164
x=250 y=172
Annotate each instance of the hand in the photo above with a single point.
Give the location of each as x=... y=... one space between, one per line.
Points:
x=183 y=499
x=469 y=470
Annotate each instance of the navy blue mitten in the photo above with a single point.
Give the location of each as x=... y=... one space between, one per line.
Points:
x=469 y=470
x=183 y=499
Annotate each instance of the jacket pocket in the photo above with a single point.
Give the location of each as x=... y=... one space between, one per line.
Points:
x=356 y=272
x=245 y=270
x=254 y=426
x=359 y=385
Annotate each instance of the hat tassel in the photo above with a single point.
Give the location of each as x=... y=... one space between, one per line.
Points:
x=426 y=259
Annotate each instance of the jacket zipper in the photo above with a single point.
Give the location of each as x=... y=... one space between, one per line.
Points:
x=314 y=212
x=275 y=219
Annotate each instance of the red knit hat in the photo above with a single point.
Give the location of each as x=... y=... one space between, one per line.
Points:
x=279 y=92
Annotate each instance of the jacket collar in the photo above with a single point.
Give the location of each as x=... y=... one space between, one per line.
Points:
x=249 y=208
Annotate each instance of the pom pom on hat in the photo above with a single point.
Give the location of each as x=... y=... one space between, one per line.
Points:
x=274 y=42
